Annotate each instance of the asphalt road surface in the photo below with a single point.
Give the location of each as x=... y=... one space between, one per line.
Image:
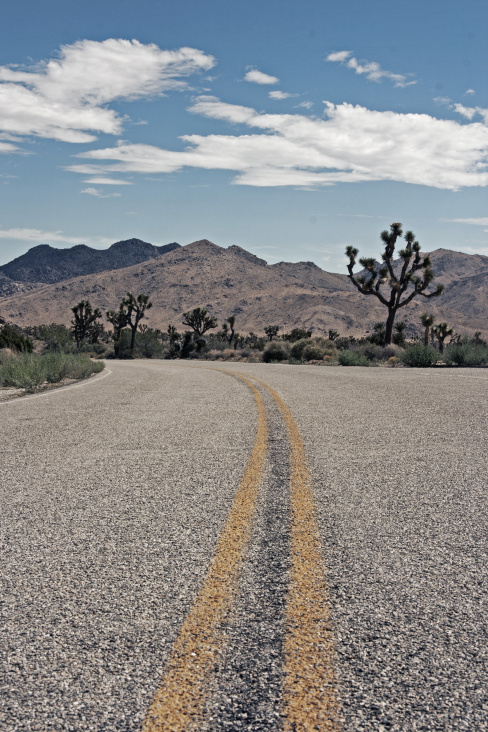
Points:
x=217 y=546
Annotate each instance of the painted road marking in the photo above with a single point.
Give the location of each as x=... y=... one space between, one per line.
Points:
x=310 y=685
x=310 y=700
x=179 y=701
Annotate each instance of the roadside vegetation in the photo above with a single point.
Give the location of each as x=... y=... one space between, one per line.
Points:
x=32 y=371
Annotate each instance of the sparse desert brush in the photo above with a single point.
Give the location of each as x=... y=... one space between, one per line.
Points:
x=392 y=361
x=30 y=371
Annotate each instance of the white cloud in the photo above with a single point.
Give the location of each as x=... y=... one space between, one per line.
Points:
x=469 y=91
x=98 y=194
x=258 y=77
x=305 y=105
x=97 y=180
x=371 y=69
x=64 y=98
x=470 y=112
x=7 y=147
x=483 y=221
x=280 y=95
x=48 y=237
x=353 y=144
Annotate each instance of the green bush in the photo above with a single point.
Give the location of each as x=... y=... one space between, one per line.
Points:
x=313 y=352
x=11 y=337
x=276 y=351
x=30 y=370
x=352 y=358
x=466 y=354
x=298 y=348
x=420 y=356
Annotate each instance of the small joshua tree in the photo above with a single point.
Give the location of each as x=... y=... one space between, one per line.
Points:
x=228 y=329
x=427 y=321
x=441 y=331
x=271 y=331
x=411 y=279
x=84 y=319
x=199 y=321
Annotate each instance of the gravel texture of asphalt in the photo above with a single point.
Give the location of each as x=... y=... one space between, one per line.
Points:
x=114 y=494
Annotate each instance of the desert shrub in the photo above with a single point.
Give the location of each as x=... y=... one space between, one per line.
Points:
x=466 y=354
x=296 y=334
x=276 y=351
x=30 y=370
x=352 y=358
x=378 y=353
x=420 y=356
x=313 y=352
x=392 y=361
x=342 y=344
x=298 y=348
x=11 y=337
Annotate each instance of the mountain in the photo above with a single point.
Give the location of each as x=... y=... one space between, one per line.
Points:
x=234 y=281
x=49 y=265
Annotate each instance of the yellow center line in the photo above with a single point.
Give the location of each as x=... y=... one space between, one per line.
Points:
x=179 y=702
x=310 y=685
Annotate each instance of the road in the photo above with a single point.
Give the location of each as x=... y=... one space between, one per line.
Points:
x=220 y=546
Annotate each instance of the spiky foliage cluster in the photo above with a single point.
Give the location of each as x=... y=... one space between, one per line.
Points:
x=84 y=321
x=441 y=331
x=413 y=278
x=131 y=311
x=199 y=321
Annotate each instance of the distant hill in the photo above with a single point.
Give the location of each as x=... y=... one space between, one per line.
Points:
x=234 y=281
x=48 y=265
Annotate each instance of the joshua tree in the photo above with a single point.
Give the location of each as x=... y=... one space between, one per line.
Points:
x=271 y=331
x=228 y=331
x=135 y=307
x=199 y=321
x=427 y=321
x=118 y=319
x=403 y=281
x=84 y=319
x=333 y=334
x=441 y=331
x=173 y=335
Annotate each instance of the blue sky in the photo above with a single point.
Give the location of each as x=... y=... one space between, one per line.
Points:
x=290 y=128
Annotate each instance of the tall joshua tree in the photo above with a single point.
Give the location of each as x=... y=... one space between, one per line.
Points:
x=85 y=317
x=135 y=308
x=390 y=284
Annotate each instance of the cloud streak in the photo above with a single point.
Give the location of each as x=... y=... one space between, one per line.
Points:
x=352 y=144
x=370 y=69
x=65 y=98
x=48 y=237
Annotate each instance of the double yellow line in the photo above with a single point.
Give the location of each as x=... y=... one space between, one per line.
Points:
x=309 y=687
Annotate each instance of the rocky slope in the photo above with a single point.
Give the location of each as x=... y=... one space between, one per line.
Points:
x=234 y=281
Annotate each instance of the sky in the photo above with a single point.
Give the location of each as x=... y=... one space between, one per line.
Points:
x=291 y=128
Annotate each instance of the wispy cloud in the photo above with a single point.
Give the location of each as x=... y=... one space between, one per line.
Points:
x=97 y=180
x=371 y=69
x=353 y=144
x=65 y=98
x=482 y=221
x=99 y=194
x=471 y=112
x=50 y=237
x=469 y=91
x=280 y=95
x=258 y=77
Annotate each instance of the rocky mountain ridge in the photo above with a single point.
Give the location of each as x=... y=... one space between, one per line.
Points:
x=47 y=265
x=234 y=281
